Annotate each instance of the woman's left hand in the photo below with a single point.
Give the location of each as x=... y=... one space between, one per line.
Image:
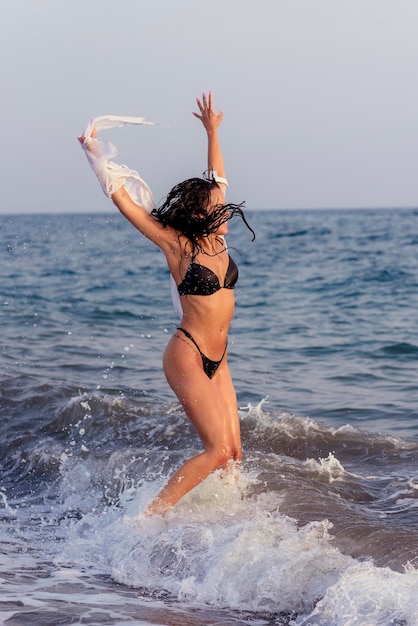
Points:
x=207 y=115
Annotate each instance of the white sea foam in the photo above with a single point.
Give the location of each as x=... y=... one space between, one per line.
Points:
x=365 y=594
x=218 y=547
x=225 y=547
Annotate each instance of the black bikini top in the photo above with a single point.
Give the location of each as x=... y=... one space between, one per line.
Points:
x=201 y=281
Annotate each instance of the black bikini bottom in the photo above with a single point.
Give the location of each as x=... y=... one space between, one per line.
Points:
x=209 y=367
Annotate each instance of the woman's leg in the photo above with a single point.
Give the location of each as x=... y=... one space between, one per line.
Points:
x=210 y=405
x=225 y=387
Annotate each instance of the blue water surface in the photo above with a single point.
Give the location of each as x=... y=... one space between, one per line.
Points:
x=320 y=524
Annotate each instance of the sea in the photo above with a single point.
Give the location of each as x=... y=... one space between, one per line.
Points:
x=318 y=527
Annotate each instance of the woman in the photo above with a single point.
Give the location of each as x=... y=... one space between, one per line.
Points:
x=189 y=228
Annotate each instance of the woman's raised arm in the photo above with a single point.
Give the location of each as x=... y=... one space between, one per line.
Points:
x=211 y=122
x=114 y=178
x=164 y=237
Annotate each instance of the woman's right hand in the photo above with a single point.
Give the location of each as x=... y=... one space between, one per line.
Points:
x=93 y=135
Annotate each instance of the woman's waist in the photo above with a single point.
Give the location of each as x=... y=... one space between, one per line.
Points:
x=209 y=338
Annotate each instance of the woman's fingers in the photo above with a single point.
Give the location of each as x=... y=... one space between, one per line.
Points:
x=93 y=135
x=207 y=114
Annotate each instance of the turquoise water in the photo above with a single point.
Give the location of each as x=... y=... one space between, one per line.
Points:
x=322 y=522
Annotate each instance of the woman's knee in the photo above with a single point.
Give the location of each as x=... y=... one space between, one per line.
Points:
x=237 y=453
x=222 y=456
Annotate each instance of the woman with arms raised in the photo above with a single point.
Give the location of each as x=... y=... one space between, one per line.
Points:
x=189 y=228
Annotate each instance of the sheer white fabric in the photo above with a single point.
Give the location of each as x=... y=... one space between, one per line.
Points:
x=112 y=176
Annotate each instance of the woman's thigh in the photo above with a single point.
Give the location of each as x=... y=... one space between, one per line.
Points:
x=222 y=381
x=209 y=403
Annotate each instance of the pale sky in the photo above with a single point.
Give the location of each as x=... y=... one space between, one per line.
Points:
x=320 y=98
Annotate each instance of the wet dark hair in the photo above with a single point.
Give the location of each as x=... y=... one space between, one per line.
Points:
x=187 y=209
